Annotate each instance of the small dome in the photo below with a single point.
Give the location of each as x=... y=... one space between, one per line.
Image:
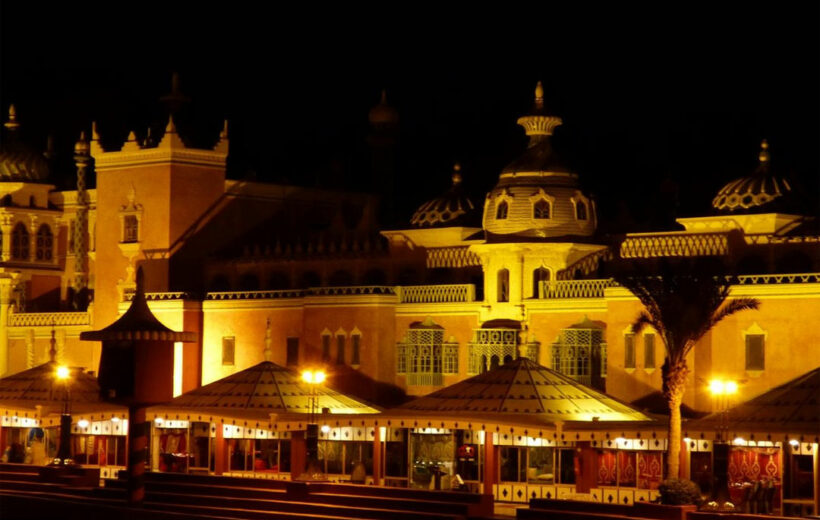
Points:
x=451 y=209
x=18 y=161
x=383 y=114
x=760 y=192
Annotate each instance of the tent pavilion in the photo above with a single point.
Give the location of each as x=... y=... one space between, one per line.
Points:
x=252 y=423
x=522 y=430
x=31 y=403
x=773 y=443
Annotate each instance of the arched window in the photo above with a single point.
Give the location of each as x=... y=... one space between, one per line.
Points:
x=540 y=282
x=541 y=209
x=501 y=211
x=503 y=286
x=580 y=210
x=130 y=229
x=19 y=242
x=45 y=244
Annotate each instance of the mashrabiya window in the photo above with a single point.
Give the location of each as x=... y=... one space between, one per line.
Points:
x=424 y=356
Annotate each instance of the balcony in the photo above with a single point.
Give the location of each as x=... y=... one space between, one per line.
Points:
x=450 y=293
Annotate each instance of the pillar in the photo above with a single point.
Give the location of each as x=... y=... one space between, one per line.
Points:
x=298 y=450
x=586 y=467
x=220 y=450
x=377 y=456
x=5 y=307
x=490 y=463
x=816 y=458
x=5 y=228
x=137 y=446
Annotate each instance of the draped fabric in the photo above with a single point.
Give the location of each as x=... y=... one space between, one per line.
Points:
x=751 y=465
x=650 y=469
x=626 y=468
x=606 y=468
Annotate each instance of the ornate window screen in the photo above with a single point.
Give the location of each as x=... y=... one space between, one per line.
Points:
x=582 y=355
x=487 y=344
x=45 y=244
x=424 y=356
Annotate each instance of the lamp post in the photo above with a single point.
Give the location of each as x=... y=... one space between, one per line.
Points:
x=64 y=451
x=313 y=472
x=722 y=391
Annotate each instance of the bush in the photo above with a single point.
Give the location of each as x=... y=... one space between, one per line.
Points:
x=679 y=492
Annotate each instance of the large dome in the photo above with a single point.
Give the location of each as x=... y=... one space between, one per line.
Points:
x=18 y=161
x=450 y=209
x=760 y=192
x=536 y=195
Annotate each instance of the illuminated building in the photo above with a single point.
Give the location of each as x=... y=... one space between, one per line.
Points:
x=464 y=287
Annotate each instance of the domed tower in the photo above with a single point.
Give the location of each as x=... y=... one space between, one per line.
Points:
x=453 y=208
x=536 y=195
x=537 y=223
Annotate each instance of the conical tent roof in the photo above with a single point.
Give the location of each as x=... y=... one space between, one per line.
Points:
x=791 y=408
x=266 y=388
x=523 y=387
x=39 y=386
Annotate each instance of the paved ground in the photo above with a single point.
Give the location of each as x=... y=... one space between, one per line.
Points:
x=507 y=509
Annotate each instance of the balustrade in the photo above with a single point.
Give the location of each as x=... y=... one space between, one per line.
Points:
x=450 y=293
x=47 y=319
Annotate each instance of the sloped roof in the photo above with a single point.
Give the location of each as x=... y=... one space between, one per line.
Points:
x=266 y=388
x=38 y=386
x=791 y=408
x=526 y=388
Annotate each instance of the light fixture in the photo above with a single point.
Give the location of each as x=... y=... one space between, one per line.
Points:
x=63 y=372
x=687 y=440
x=158 y=421
x=325 y=428
x=739 y=440
x=311 y=377
x=620 y=440
x=794 y=442
x=82 y=423
x=730 y=387
x=716 y=386
x=115 y=419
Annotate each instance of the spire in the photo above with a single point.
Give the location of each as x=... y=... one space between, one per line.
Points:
x=539 y=96
x=456 y=174
x=764 y=152
x=538 y=123
x=267 y=352
x=12 y=123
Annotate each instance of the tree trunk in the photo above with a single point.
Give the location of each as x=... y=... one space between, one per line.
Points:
x=674 y=385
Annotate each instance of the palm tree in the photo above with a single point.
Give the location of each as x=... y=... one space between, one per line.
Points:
x=682 y=303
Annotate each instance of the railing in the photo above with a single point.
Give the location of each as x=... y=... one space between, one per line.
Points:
x=451 y=257
x=351 y=290
x=577 y=288
x=453 y=293
x=159 y=296
x=675 y=244
x=255 y=295
x=47 y=319
x=425 y=379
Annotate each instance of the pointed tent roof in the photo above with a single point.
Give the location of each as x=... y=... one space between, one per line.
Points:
x=264 y=389
x=138 y=323
x=792 y=408
x=525 y=388
x=38 y=386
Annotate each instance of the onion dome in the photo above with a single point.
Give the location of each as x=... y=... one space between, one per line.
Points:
x=383 y=114
x=761 y=192
x=536 y=195
x=450 y=209
x=18 y=161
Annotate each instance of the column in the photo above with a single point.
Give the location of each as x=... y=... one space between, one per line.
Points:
x=298 y=450
x=219 y=449
x=377 y=456
x=490 y=464
x=586 y=474
x=6 y=285
x=5 y=228
x=137 y=446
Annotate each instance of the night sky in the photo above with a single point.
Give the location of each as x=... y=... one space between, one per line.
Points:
x=651 y=98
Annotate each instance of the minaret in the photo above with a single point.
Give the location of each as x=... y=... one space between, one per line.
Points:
x=80 y=282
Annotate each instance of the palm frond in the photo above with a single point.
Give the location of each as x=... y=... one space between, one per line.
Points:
x=642 y=321
x=731 y=307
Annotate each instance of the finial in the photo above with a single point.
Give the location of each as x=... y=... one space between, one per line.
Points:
x=52 y=351
x=764 y=151
x=12 y=123
x=456 y=174
x=267 y=351
x=81 y=147
x=539 y=96
x=170 y=128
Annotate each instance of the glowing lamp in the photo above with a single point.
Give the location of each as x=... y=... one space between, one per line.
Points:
x=325 y=428
x=687 y=440
x=794 y=442
x=82 y=423
x=716 y=386
x=620 y=440
x=115 y=419
x=158 y=421
x=311 y=377
x=730 y=387
x=63 y=372
x=739 y=440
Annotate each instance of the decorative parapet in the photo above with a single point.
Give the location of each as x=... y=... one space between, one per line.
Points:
x=159 y=296
x=775 y=239
x=586 y=265
x=578 y=288
x=451 y=257
x=766 y=279
x=351 y=290
x=48 y=319
x=255 y=295
x=675 y=244
x=453 y=293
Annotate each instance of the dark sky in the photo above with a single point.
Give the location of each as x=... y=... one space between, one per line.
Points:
x=649 y=95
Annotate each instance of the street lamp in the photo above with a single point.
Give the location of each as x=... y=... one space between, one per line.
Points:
x=64 y=452
x=722 y=391
x=312 y=378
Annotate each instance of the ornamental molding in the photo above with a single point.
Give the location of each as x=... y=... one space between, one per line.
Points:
x=153 y=156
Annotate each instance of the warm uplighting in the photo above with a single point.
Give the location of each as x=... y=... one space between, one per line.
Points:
x=739 y=440
x=718 y=387
x=620 y=440
x=325 y=428
x=687 y=440
x=794 y=442
x=158 y=421
x=115 y=419
x=313 y=377
x=82 y=423
x=63 y=372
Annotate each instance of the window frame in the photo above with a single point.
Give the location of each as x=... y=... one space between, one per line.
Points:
x=228 y=345
x=648 y=347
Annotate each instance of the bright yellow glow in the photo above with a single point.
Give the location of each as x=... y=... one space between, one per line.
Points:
x=158 y=421
x=177 y=368
x=325 y=428
x=687 y=440
x=115 y=419
x=311 y=377
x=794 y=442
x=739 y=440
x=620 y=440
x=82 y=423
x=716 y=386
x=63 y=372
x=730 y=387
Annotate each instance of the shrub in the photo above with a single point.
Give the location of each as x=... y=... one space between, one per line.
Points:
x=679 y=492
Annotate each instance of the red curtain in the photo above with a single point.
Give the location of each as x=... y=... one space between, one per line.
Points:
x=753 y=464
x=626 y=468
x=650 y=469
x=606 y=468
